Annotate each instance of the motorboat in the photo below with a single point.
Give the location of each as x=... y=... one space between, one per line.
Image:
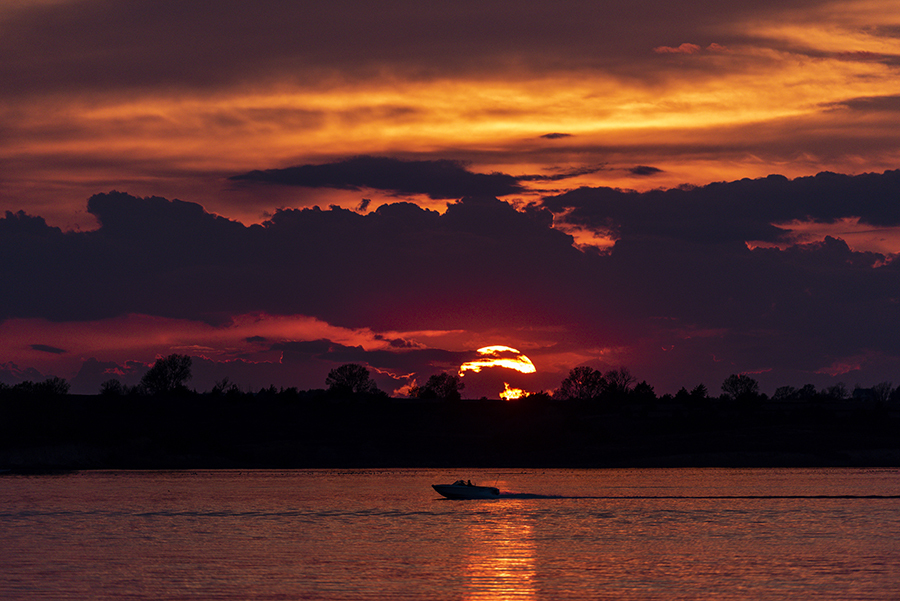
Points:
x=466 y=490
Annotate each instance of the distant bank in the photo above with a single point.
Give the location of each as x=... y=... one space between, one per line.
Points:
x=197 y=431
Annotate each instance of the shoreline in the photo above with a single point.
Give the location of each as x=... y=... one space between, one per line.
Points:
x=202 y=433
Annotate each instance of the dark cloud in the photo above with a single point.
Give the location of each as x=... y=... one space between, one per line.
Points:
x=399 y=361
x=738 y=211
x=399 y=343
x=680 y=276
x=889 y=104
x=400 y=265
x=441 y=179
x=44 y=348
x=554 y=177
x=644 y=170
x=316 y=348
x=886 y=31
x=556 y=136
x=683 y=254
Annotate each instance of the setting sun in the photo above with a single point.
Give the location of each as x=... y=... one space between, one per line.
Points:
x=249 y=254
x=510 y=394
x=499 y=356
x=570 y=168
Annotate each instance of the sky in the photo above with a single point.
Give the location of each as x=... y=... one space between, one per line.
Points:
x=689 y=190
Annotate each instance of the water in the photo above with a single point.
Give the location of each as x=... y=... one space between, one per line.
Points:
x=555 y=534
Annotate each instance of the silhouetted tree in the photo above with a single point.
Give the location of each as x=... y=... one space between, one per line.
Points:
x=837 y=391
x=167 y=375
x=740 y=387
x=112 y=387
x=290 y=393
x=862 y=394
x=52 y=386
x=699 y=393
x=582 y=383
x=225 y=387
x=618 y=380
x=539 y=397
x=267 y=393
x=440 y=386
x=786 y=393
x=807 y=392
x=350 y=379
x=644 y=392
x=882 y=392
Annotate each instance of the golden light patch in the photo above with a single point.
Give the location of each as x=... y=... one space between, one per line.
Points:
x=583 y=237
x=499 y=356
x=510 y=394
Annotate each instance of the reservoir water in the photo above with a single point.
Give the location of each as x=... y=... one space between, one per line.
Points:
x=363 y=534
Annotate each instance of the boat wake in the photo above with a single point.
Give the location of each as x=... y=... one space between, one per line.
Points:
x=528 y=495
x=525 y=495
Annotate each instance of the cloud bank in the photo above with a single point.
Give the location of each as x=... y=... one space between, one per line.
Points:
x=701 y=282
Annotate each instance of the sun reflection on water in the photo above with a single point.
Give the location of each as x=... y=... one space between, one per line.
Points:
x=501 y=556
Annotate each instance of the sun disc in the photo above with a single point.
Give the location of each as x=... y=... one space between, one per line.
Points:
x=499 y=356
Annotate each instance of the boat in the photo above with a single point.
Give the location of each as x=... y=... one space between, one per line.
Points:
x=466 y=490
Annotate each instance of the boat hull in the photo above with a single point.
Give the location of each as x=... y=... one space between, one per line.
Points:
x=464 y=491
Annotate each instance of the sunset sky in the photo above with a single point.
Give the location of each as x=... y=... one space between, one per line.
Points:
x=688 y=189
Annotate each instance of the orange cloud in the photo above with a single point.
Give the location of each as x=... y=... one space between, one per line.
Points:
x=682 y=49
x=763 y=104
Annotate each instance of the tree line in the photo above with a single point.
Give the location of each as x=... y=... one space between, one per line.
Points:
x=170 y=375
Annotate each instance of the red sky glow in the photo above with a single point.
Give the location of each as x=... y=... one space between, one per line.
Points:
x=686 y=189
